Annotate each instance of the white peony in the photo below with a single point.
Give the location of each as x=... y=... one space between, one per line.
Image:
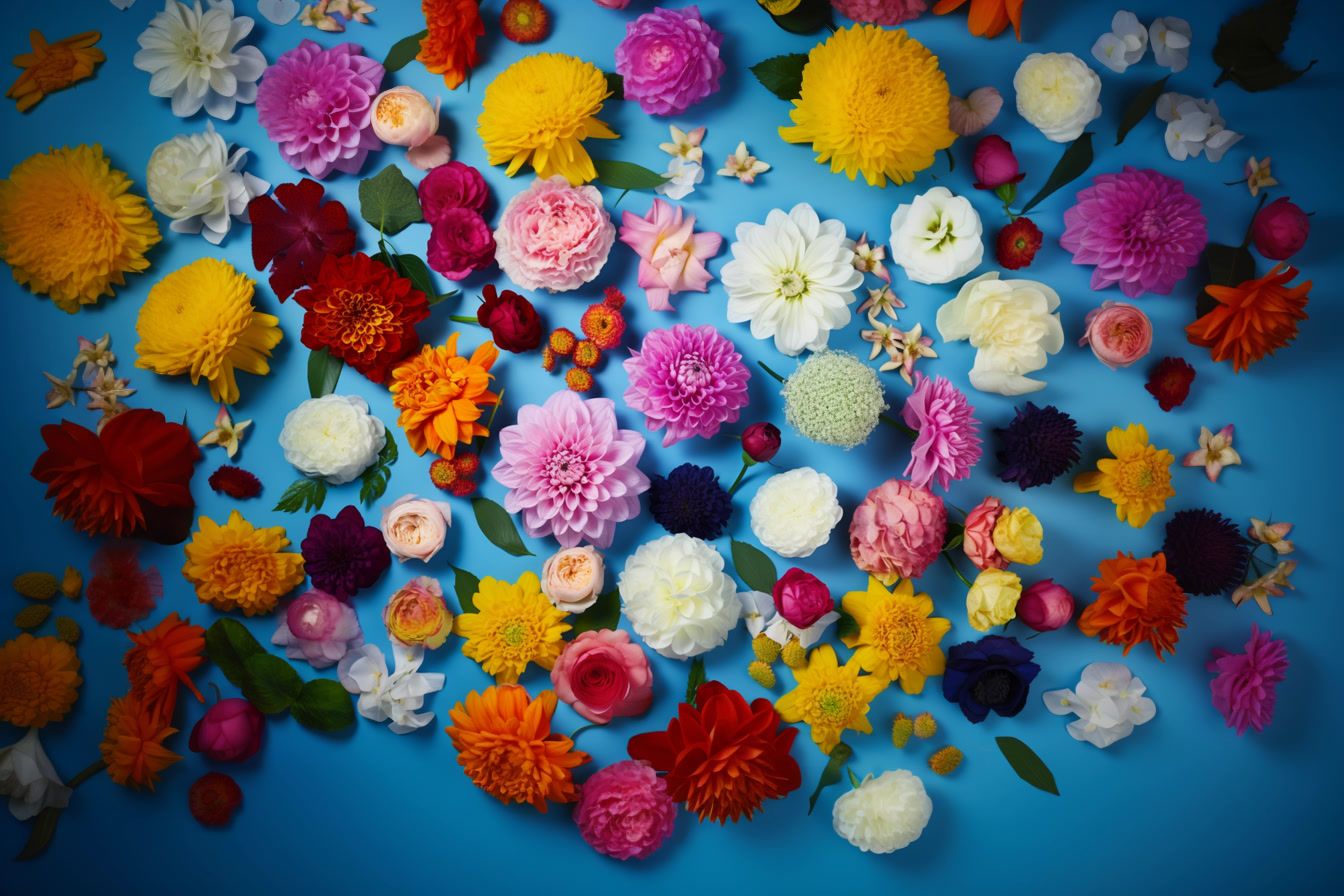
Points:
x=393 y=698
x=333 y=437
x=193 y=57
x=1057 y=93
x=1014 y=325
x=1109 y=703
x=760 y=615
x=793 y=513
x=677 y=597
x=29 y=779
x=194 y=180
x=883 y=814
x=936 y=237
x=792 y=278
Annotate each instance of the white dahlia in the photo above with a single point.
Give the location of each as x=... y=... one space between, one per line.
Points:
x=333 y=438
x=883 y=814
x=936 y=237
x=677 y=597
x=793 y=513
x=193 y=57
x=196 y=181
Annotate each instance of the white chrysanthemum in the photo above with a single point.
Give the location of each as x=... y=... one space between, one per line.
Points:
x=883 y=814
x=1057 y=93
x=1013 y=324
x=677 y=597
x=333 y=438
x=194 y=180
x=193 y=57
x=936 y=237
x=793 y=513
x=792 y=278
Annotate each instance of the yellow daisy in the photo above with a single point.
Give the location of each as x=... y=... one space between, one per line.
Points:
x=1137 y=478
x=240 y=567
x=830 y=698
x=514 y=624
x=897 y=640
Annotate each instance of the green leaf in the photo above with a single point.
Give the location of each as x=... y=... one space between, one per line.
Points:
x=853 y=779
x=403 y=51
x=228 y=644
x=324 y=371
x=323 y=705
x=606 y=613
x=846 y=626
x=1227 y=266
x=695 y=679
x=782 y=75
x=269 y=683
x=626 y=175
x=840 y=754
x=497 y=525
x=443 y=297
x=388 y=201
x=616 y=84
x=414 y=269
x=956 y=534
x=1249 y=45
x=303 y=494
x=466 y=585
x=808 y=17
x=1138 y=108
x=373 y=481
x=1071 y=165
x=1027 y=764
x=754 y=568
x=39 y=836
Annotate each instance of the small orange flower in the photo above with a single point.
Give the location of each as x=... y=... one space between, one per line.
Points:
x=39 y=681
x=132 y=744
x=987 y=18
x=441 y=393
x=53 y=67
x=449 y=49
x=1137 y=601
x=164 y=657
x=1252 y=320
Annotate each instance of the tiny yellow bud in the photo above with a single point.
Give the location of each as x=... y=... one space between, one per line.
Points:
x=945 y=760
x=925 y=726
x=901 y=730
x=793 y=654
x=36 y=585
x=761 y=673
x=31 y=616
x=72 y=583
x=67 y=629
x=766 y=649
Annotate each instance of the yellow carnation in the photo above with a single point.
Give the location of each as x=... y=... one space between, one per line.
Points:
x=240 y=567
x=992 y=600
x=1017 y=536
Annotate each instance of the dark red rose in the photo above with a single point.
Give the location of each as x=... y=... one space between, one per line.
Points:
x=761 y=441
x=512 y=321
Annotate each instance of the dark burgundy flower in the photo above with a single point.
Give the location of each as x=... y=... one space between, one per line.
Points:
x=214 y=798
x=235 y=482
x=1037 y=446
x=450 y=186
x=120 y=592
x=342 y=555
x=802 y=598
x=294 y=231
x=460 y=242
x=760 y=441
x=512 y=321
x=1170 y=382
x=994 y=673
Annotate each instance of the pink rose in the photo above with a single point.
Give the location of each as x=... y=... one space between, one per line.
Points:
x=460 y=242
x=450 y=186
x=978 y=540
x=671 y=255
x=554 y=236
x=572 y=578
x=230 y=731
x=898 y=530
x=415 y=528
x=760 y=441
x=994 y=163
x=802 y=598
x=602 y=675
x=318 y=628
x=1045 y=606
x=1280 y=229
x=1118 y=333
x=418 y=614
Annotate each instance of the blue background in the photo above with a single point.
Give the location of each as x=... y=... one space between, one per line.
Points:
x=1182 y=805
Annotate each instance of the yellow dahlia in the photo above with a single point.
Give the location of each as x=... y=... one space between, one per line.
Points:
x=70 y=227
x=514 y=624
x=200 y=320
x=830 y=698
x=240 y=567
x=39 y=680
x=873 y=102
x=1137 y=478
x=542 y=108
x=897 y=640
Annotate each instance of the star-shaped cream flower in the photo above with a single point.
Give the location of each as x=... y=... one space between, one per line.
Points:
x=914 y=345
x=62 y=391
x=1273 y=534
x=884 y=337
x=226 y=434
x=315 y=15
x=743 y=165
x=106 y=391
x=685 y=144
x=869 y=259
x=94 y=355
x=1258 y=175
x=1271 y=584
x=352 y=10
x=1215 y=452
x=881 y=301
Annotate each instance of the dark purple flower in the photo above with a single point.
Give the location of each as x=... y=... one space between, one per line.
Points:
x=1206 y=552
x=994 y=673
x=1037 y=446
x=690 y=500
x=342 y=555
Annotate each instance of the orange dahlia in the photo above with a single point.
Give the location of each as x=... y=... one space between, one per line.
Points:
x=1252 y=320
x=132 y=744
x=449 y=49
x=1137 y=601
x=505 y=745
x=441 y=393
x=164 y=657
x=39 y=681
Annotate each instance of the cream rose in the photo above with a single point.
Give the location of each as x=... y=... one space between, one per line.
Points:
x=415 y=528
x=992 y=600
x=572 y=578
x=333 y=438
x=1057 y=93
x=1014 y=325
x=936 y=237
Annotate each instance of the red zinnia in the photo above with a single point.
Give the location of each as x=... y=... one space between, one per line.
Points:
x=294 y=239
x=214 y=798
x=604 y=324
x=723 y=759
x=1170 y=382
x=235 y=482
x=1018 y=244
x=120 y=592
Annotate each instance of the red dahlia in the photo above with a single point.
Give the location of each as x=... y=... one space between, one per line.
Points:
x=1170 y=382
x=235 y=482
x=214 y=798
x=294 y=231
x=1018 y=244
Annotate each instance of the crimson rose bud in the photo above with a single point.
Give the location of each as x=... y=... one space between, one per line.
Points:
x=995 y=164
x=1280 y=229
x=1045 y=606
x=512 y=321
x=761 y=441
x=230 y=731
x=802 y=598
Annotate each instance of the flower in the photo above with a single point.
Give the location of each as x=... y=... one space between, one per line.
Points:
x=1170 y=38
x=570 y=471
x=1273 y=534
x=1014 y=326
x=415 y=528
x=1045 y=606
x=992 y=599
x=416 y=614
x=671 y=255
x=214 y=797
x=194 y=180
x=1253 y=320
x=603 y=323
x=1205 y=552
x=200 y=320
x=1123 y=45
x=897 y=531
x=513 y=625
x=121 y=592
x=318 y=628
x=194 y=57
x=624 y=811
x=830 y=698
x=793 y=513
x=602 y=675
x=1243 y=690
x=29 y=779
x=362 y=313
x=1258 y=175
x=872 y=102
x=451 y=186
x=230 y=731
x=1280 y=229
x=393 y=698
x=722 y=758
x=1017 y=244
x=739 y=164
x=525 y=21
x=688 y=380
x=802 y=599
x=994 y=673
x=1194 y=126
x=132 y=746
x=513 y=323
x=994 y=164
x=333 y=438
x=1118 y=334
x=767 y=625
x=978 y=535
x=681 y=178
x=1108 y=702
x=342 y=555
x=460 y=243
x=39 y=680
x=1037 y=446
x=910 y=346
x=834 y=398
x=987 y=18
x=885 y=813
x=161 y=660
x=131 y=479
x=403 y=116
x=896 y=639
x=51 y=67
x=1057 y=93
x=669 y=60
x=947 y=444
x=881 y=12
x=295 y=240
x=760 y=441
x=440 y=395
x=554 y=236
x=316 y=104
x=572 y=578
x=240 y=567
x=976 y=112
x=1017 y=536
x=685 y=145
x=935 y=237
x=1140 y=228
x=690 y=500
x=1271 y=584
x=70 y=227
x=225 y=433
x=677 y=597
x=505 y=745
x=1137 y=479
x=449 y=47
x=1137 y=601
x=1169 y=382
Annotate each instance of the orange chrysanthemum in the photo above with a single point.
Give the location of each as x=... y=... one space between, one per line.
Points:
x=1137 y=601
x=441 y=393
x=449 y=49
x=987 y=18
x=39 y=681
x=1252 y=320
x=53 y=67
x=238 y=566
x=505 y=745
x=164 y=657
x=132 y=744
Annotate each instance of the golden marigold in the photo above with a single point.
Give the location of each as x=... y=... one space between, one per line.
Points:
x=70 y=227
x=162 y=658
x=1137 y=601
x=987 y=18
x=132 y=744
x=52 y=67
x=39 y=680
x=897 y=640
x=830 y=698
x=240 y=567
x=514 y=624
x=1137 y=479
x=441 y=393
x=449 y=49
x=505 y=745
x=1252 y=320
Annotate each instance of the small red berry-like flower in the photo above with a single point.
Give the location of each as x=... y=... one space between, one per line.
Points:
x=613 y=298
x=562 y=341
x=235 y=482
x=467 y=465
x=578 y=379
x=214 y=798
x=1170 y=382
x=443 y=474
x=548 y=357
x=463 y=488
x=587 y=354
x=604 y=325
x=1018 y=244
x=525 y=21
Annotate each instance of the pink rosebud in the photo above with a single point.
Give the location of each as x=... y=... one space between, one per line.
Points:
x=1280 y=229
x=403 y=116
x=994 y=163
x=1045 y=606
x=802 y=598
x=230 y=731
x=602 y=675
x=1118 y=333
x=761 y=441
x=978 y=537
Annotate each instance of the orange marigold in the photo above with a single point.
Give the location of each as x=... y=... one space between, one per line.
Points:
x=1137 y=601
x=441 y=393
x=132 y=744
x=164 y=657
x=54 y=66
x=1252 y=320
x=449 y=49
x=505 y=745
x=39 y=680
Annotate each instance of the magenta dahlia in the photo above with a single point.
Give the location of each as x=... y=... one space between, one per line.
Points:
x=1243 y=690
x=669 y=60
x=1140 y=228
x=570 y=470
x=688 y=380
x=880 y=12
x=898 y=530
x=947 y=441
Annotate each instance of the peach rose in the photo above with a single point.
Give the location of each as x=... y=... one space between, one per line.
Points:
x=1118 y=333
x=978 y=538
x=415 y=528
x=602 y=675
x=418 y=614
x=572 y=578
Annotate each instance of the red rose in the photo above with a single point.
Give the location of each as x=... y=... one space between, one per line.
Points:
x=994 y=164
x=512 y=321
x=802 y=598
x=602 y=674
x=760 y=441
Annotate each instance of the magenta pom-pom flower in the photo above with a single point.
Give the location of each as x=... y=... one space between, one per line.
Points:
x=669 y=60
x=625 y=811
x=947 y=443
x=1243 y=690
x=881 y=12
x=898 y=530
x=687 y=380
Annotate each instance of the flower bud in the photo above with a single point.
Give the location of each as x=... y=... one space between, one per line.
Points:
x=403 y=116
x=760 y=442
x=1280 y=229
x=230 y=731
x=1045 y=606
x=802 y=598
x=994 y=164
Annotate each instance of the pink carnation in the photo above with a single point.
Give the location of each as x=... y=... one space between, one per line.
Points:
x=554 y=236
x=880 y=12
x=460 y=242
x=625 y=811
x=318 y=628
x=603 y=675
x=451 y=186
x=570 y=470
x=316 y=105
x=671 y=255
x=898 y=530
x=1244 y=689
x=669 y=60
x=690 y=380
x=978 y=538
x=947 y=444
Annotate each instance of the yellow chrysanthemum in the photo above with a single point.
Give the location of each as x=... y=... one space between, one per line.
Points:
x=542 y=108
x=200 y=320
x=830 y=698
x=39 y=681
x=240 y=567
x=897 y=640
x=70 y=227
x=514 y=624
x=1137 y=478
x=873 y=102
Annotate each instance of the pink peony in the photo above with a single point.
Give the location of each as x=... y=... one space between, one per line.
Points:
x=669 y=60
x=1045 y=606
x=451 y=186
x=460 y=242
x=690 y=380
x=570 y=470
x=624 y=811
x=230 y=731
x=880 y=12
x=318 y=628
x=978 y=538
x=1118 y=333
x=554 y=236
x=671 y=255
x=802 y=598
x=1279 y=230
x=898 y=530
x=1244 y=689
x=947 y=441
x=316 y=105
x=602 y=675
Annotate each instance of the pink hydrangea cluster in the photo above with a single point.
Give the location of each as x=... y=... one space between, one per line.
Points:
x=671 y=254
x=687 y=380
x=898 y=530
x=1244 y=689
x=554 y=236
x=669 y=60
x=978 y=537
x=452 y=198
x=947 y=440
x=625 y=811
x=318 y=628
x=881 y=12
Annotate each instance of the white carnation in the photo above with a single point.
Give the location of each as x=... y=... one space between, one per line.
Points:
x=793 y=513
x=193 y=57
x=333 y=437
x=677 y=597
x=1057 y=92
x=1014 y=325
x=936 y=237
x=883 y=814
x=194 y=180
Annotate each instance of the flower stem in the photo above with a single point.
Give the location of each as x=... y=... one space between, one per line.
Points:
x=578 y=731
x=464 y=319
x=956 y=569
x=86 y=774
x=892 y=421
x=767 y=369
x=747 y=464
x=1246 y=240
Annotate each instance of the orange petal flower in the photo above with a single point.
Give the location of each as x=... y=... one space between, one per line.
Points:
x=1252 y=320
x=164 y=657
x=53 y=67
x=132 y=744
x=39 y=680
x=1137 y=601
x=441 y=393
x=449 y=49
x=987 y=17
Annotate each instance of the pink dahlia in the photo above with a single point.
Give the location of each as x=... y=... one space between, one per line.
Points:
x=880 y=12
x=1140 y=228
x=690 y=380
x=319 y=628
x=1243 y=690
x=669 y=60
x=671 y=254
x=624 y=811
x=570 y=470
x=554 y=236
x=947 y=443
x=315 y=104
x=898 y=530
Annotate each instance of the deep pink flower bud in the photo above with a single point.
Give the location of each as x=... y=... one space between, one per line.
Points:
x=761 y=441
x=230 y=731
x=1045 y=606
x=802 y=598
x=994 y=163
x=1280 y=229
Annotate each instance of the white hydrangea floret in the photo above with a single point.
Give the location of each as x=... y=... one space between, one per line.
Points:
x=1057 y=93
x=1014 y=326
x=794 y=513
x=936 y=237
x=192 y=56
x=393 y=698
x=883 y=814
x=1170 y=38
x=333 y=438
x=1194 y=127
x=1109 y=702
x=677 y=597
x=199 y=184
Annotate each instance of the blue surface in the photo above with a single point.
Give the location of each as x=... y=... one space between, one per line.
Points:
x=1182 y=806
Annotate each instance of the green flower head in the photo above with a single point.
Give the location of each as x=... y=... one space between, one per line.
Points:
x=834 y=398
